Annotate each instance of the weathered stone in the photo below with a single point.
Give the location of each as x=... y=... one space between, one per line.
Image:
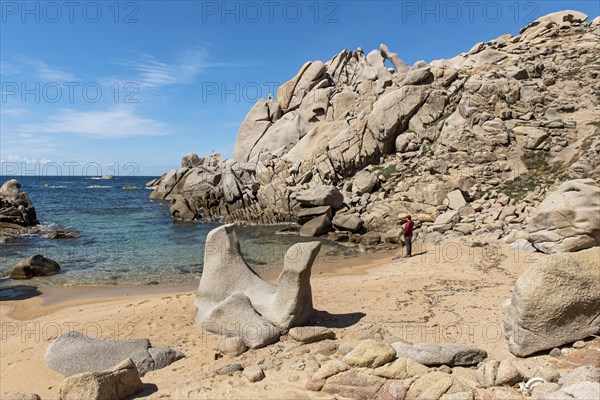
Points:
x=75 y=353
x=392 y=390
x=233 y=345
x=330 y=368
x=568 y=219
x=354 y=384
x=119 y=382
x=434 y=385
x=316 y=227
x=36 y=265
x=253 y=373
x=371 y=354
x=433 y=354
x=371 y=239
x=556 y=301
x=364 y=182
x=306 y=214
x=231 y=294
x=321 y=196
x=402 y=368
x=456 y=200
x=311 y=334
x=498 y=373
x=230 y=369
x=348 y=222
x=580 y=374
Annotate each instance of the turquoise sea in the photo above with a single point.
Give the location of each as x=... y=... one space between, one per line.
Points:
x=127 y=239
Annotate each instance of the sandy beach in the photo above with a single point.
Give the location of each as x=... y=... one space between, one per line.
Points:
x=446 y=293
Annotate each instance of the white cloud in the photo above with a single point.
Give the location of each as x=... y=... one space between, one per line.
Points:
x=26 y=160
x=13 y=112
x=117 y=122
x=46 y=72
x=152 y=73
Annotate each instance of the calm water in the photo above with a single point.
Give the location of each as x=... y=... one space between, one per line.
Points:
x=128 y=239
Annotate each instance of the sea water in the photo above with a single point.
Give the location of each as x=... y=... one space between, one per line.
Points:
x=127 y=239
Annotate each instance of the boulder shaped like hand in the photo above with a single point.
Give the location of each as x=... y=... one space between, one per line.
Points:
x=234 y=301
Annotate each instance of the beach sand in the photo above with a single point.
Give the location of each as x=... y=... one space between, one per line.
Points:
x=446 y=293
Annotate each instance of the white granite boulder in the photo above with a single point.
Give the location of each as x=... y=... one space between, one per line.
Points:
x=555 y=302
x=233 y=300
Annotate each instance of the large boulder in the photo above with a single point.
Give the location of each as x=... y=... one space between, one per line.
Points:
x=348 y=222
x=555 y=302
x=15 y=206
x=321 y=195
x=364 y=182
x=75 y=353
x=234 y=301
x=36 y=265
x=316 y=227
x=119 y=382
x=568 y=218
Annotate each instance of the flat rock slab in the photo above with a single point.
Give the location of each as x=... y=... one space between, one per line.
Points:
x=311 y=334
x=75 y=353
x=433 y=354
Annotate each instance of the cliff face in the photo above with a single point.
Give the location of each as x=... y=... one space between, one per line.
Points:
x=463 y=139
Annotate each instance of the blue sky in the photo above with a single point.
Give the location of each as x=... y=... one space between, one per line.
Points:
x=143 y=83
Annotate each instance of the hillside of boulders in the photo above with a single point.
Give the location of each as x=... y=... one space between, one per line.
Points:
x=468 y=145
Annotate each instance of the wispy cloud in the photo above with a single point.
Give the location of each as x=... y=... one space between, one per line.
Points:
x=152 y=73
x=46 y=72
x=117 y=122
x=13 y=112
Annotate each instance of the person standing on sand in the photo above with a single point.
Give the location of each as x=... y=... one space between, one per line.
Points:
x=408 y=233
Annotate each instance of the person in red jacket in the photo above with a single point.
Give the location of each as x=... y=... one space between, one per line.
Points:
x=408 y=233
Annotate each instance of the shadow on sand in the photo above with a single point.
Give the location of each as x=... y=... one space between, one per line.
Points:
x=149 y=388
x=18 y=292
x=323 y=318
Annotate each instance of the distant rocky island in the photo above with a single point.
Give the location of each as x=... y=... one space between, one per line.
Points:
x=469 y=145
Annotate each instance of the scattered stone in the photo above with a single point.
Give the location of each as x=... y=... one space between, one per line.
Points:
x=36 y=265
x=364 y=182
x=548 y=374
x=371 y=354
x=555 y=302
x=233 y=346
x=119 y=382
x=230 y=369
x=371 y=239
x=392 y=390
x=433 y=354
x=24 y=396
x=253 y=373
x=311 y=334
x=580 y=344
x=456 y=200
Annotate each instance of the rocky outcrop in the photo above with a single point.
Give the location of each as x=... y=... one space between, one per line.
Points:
x=119 y=382
x=36 y=265
x=433 y=354
x=486 y=135
x=15 y=206
x=233 y=300
x=568 y=219
x=76 y=353
x=555 y=302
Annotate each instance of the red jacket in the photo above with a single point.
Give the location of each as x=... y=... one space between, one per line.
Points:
x=408 y=228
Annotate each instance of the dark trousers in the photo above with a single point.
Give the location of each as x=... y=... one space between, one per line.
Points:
x=408 y=242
